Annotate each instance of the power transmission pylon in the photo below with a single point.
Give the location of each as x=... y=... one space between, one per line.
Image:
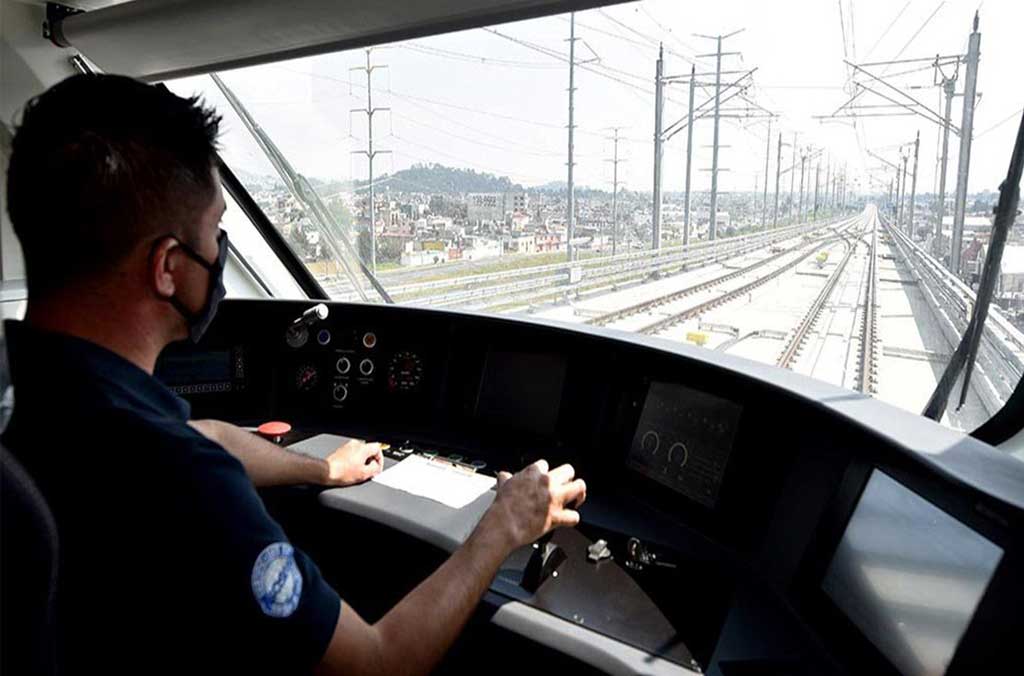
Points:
x=370 y=153
x=966 y=133
x=615 y=189
x=718 y=54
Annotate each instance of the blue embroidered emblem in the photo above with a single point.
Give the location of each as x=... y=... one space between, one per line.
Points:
x=276 y=580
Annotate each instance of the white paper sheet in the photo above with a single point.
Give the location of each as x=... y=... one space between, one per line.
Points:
x=436 y=481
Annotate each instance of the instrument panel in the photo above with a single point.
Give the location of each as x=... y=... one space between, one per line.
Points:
x=679 y=452
x=909 y=576
x=683 y=440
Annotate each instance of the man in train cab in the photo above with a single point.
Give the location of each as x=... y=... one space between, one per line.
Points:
x=169 y=561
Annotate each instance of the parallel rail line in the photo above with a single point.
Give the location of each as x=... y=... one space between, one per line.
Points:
x=803 y=329
x=701 y=308
x=646 y=305
x=866 y=376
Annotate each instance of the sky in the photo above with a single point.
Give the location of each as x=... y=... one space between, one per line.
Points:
x=496 y=99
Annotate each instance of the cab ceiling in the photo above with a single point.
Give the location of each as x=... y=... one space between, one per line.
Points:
x=161 y=39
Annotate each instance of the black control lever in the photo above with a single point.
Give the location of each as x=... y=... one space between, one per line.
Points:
x=543 y=563
x=639 y=557
x=315 y=314
x=298 y=331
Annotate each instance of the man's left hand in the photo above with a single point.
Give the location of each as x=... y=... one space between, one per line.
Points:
x=354 y=462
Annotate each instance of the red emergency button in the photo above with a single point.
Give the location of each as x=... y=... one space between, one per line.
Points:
x=274 y=429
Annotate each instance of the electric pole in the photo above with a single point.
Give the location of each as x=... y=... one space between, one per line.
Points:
x=828 y=182
x=792 y=180
x=689 y=157
x=370 y=152
x=767 y=155
x=778 y=175
x=913 y=183
x=896 y=204
x=903 y=193
x=570 y=189
x=948 y=88
x=817 y=179
x=615 y=190
x=713 y=209
x=659 y=102
x=803 y=163
x=966 y=133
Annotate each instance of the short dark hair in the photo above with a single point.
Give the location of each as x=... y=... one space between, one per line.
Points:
x=101 y=163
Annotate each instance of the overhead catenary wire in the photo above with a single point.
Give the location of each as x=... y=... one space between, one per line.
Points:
x=475 y=59
x=887 y=29
x=917 y=32
x=1011 y=116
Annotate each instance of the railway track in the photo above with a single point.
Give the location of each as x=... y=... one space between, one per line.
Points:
x=803 y=329
x=867 y=371
x=644 y=306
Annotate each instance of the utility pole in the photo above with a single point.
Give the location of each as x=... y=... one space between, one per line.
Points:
x=948 y=88
x=778 y=175
x=966 y=133
x=570 y=188
x=689 y=156
x=913 y=183
x=902 y=196
x=828 y=183
x=792 y=179
x=842 y=203
x=817 y=179
x=713 y=209
x=803 y=163
x=713 y=226
x=767 y=155
x=370 y=152
x=896 y=204
x=659 y=102
x=615 y=191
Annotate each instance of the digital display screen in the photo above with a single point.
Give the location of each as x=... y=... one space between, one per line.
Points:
x=195 y=368
x=684 y=439
x=909 y=576
x=521 y=391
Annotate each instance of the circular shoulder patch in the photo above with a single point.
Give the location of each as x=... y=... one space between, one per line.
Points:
x=276 y=580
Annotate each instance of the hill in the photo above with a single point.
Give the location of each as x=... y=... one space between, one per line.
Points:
x=441 y=179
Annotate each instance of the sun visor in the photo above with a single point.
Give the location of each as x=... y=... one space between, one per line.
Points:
x=160 y=39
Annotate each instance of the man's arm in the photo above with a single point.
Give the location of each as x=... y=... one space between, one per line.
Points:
x=415 y=634
x=268 y=464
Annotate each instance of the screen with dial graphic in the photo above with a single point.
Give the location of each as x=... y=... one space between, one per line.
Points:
x=684 y=439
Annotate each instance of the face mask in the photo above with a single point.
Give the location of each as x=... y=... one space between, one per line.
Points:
x=198 y=322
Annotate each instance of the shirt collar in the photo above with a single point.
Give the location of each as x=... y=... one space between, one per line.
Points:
x=33 y=352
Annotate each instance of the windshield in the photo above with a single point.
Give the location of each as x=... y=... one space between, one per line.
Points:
x=718 y=175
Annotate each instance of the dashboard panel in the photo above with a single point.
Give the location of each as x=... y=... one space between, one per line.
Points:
x=909 y=575
x=750 y=483
x=683 y=440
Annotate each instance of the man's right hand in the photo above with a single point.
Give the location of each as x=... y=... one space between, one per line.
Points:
x=535 y=501
x=528 y=505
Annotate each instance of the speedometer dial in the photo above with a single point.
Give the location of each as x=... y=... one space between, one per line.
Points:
x=405 y=372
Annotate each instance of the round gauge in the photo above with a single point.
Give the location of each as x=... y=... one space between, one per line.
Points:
x=405 y=371
x=650 y=442
x=306 y=378
x=678 y=453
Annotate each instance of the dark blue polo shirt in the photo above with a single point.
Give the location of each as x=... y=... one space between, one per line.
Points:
x=169 y=561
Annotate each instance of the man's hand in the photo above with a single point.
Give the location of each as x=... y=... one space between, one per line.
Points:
x=354 y=462
x=528 y=505
x=535 y=500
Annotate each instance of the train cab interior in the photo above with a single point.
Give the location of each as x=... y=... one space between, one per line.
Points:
x=741 y=519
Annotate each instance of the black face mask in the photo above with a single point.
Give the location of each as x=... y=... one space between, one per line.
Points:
x=198 y=322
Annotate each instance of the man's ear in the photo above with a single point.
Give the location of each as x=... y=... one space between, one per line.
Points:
x=163 y=264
